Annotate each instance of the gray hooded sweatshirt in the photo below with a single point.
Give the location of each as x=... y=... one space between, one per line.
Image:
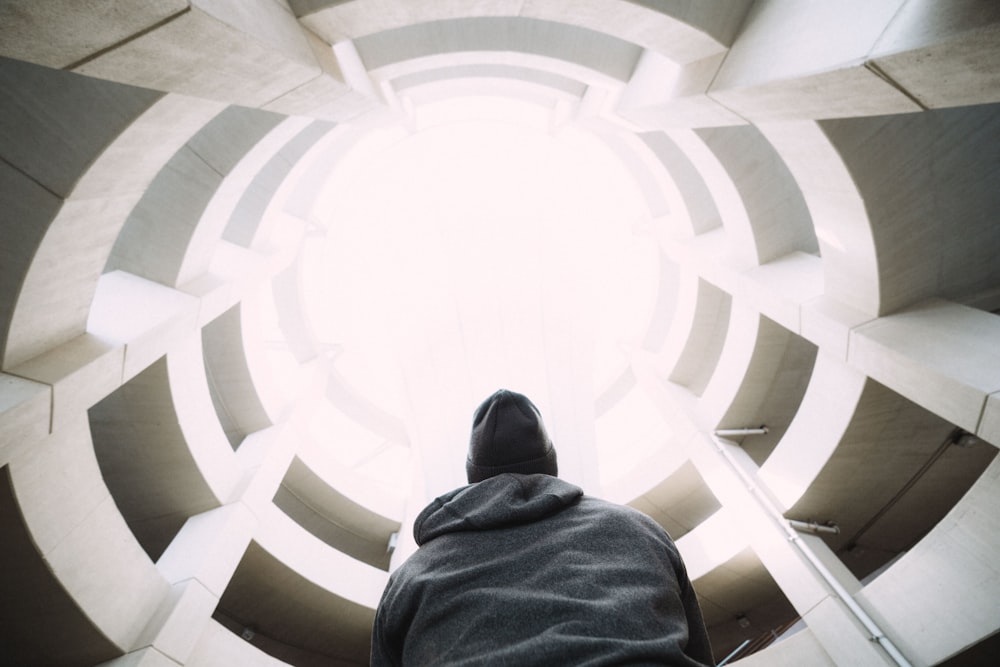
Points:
x=525 y=570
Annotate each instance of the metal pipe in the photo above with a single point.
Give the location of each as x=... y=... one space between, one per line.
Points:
x=813 y=527
x=734 y=652
x=753 y=487
x=740 y=432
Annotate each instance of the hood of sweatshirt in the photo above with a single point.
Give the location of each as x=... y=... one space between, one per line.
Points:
x=504 y=500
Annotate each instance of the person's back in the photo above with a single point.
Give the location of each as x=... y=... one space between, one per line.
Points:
x=523 y=569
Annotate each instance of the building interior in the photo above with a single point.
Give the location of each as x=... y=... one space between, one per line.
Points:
x=261 y=259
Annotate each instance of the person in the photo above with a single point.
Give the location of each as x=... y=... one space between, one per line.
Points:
x=521 y=568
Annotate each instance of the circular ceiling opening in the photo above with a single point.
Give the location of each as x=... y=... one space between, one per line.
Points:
x=477 y=234
x=480 y=245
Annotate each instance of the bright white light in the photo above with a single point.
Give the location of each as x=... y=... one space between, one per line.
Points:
x=717 y=539
x=629 y=434
x=482 y=244
x=462 y=235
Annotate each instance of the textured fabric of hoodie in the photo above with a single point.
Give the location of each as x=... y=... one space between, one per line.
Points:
x=526 y=570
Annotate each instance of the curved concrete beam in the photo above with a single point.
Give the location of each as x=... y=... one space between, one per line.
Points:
x=233 y=393
x=316 y=562
x=771 y=390
x=740 y=245
x=516 y=39
x=280 y=159
x=949 y=577
x=316 y=504
x=697 y=333
x=387 y=502
x=822 y=418
x=912 y=175
x=480 y=74
x=197 y=419
x=102 y=129
x=683 y=31
x=173 y=219
x=889 y=445
x=80 y=533
x=841 y=224
x=745 y=333
x=778 y=218
x=679 y=500
x=695 y=210
x=514 y=62
x=292 y=613
x=646 y=171
x=150 y=468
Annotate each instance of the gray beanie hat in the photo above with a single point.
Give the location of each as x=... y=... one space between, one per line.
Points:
x=508 y=436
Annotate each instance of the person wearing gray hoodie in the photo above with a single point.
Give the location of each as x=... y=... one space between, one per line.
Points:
x=521 y=568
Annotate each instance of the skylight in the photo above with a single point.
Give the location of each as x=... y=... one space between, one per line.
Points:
x=480 y=246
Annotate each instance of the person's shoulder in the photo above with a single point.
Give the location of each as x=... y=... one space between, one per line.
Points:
x=602 y=505
x=625 y=513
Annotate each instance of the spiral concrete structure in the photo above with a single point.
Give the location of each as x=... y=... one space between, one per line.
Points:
x=195 y=473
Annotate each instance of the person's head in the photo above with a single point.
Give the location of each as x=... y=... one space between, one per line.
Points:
x=508 y=436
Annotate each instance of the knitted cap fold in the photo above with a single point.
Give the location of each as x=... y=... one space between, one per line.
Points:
x=508 y=436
